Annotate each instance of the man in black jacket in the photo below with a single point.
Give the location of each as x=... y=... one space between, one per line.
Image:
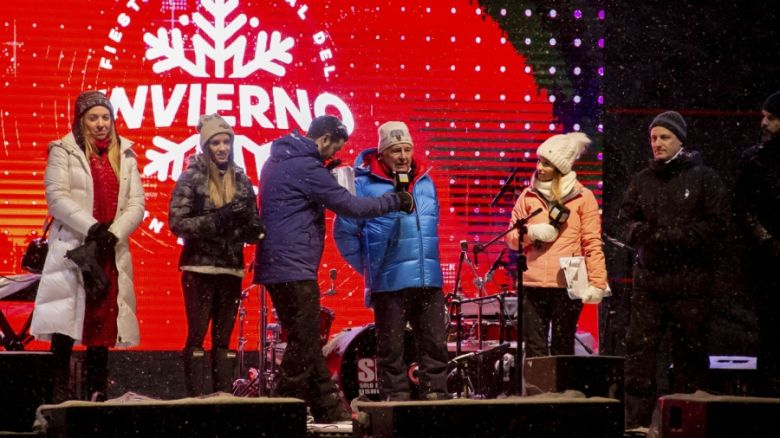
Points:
x=757 y=205
x=673 y=212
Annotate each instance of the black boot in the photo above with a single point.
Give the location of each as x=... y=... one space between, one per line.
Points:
x=61 y=347
x=223 y=364
x=639 y=410
x=194 y=371
x=97 y=373
x=330 y=409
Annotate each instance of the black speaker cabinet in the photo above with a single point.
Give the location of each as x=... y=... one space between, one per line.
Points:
x=25 y=386
x=595 y=376
x=527 y=417
x=224 y=417
x=702 y=415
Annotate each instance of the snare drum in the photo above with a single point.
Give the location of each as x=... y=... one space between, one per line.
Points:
x=491 y=331
x=351 y=359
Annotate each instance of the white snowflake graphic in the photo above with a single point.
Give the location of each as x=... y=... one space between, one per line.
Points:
x=168 y=48
x=172 y=159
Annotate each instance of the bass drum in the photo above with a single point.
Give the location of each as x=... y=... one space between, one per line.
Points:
x=351 y=359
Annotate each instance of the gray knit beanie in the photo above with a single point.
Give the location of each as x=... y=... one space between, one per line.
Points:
x=211 y=125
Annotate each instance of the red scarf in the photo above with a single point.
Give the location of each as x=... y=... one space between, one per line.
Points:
x=378 y=167
x=105 y=182
x=100 y=314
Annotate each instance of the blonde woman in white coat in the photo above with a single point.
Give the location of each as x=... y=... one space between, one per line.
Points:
x=94 y=194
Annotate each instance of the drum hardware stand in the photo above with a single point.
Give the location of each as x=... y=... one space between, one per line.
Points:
x=522 y=266
x=263 y=379
x=243 y=387
x=455 y=302
x=268 y=369
x=479 y=282
x=241 y=323
x=465 y=387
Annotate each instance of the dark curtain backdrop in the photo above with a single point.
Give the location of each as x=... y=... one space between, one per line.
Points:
x=715 y=64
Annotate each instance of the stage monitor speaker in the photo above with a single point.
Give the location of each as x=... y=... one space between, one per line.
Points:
x=595 y=376
x=703 y=415
x=528 y=417
x=25 y=385
x=223 y=417
x=732 y=375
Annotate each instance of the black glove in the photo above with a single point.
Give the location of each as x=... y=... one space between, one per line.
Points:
x=253 y=231
x=771 y=246
x=229 y=214
x=86 y=257
x=407 y=201
x=668 y=236
x=105 y=240
x=639 y=233
x=259 y=229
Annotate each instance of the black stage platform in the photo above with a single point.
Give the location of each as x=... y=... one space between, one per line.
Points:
x=577 y=393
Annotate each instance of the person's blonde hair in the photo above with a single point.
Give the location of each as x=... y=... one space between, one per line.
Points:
x=555 y=185
x=90 y=149
x=222 y=184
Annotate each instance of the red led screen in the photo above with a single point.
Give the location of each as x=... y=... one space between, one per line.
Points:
x=480 y=84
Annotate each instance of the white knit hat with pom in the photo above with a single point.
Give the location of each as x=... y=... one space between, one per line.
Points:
x=563 y=149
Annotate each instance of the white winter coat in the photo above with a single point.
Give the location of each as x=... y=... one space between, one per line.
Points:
x=59 y=304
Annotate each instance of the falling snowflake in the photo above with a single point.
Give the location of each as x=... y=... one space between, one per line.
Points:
x=169 y=51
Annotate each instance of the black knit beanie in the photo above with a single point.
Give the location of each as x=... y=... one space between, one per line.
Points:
x=772 y=104
x=673 y=121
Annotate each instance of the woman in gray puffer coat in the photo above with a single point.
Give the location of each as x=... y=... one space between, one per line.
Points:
x=213 y=209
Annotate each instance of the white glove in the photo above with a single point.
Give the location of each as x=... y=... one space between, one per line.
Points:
x=592 y=295
x=542 y=232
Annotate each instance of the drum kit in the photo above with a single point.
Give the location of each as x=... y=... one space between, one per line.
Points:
x=480 y=332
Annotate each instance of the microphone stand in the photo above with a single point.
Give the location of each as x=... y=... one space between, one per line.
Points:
x=504 y=187
x=618 y=243
x=242 y=340
x=261 y=375
x=522 y=266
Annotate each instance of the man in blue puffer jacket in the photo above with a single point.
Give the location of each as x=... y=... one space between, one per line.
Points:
x=398 y=256
x=295 y=190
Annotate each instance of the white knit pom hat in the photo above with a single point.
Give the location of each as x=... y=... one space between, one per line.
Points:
x=563 y=149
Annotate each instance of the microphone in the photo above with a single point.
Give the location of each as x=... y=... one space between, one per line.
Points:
x=332 y=273
x=559 y=214
x=504 y=188
x=401 y=181
x=496 y=263
x=521 y=222
x=617 y=242
x=464 y=245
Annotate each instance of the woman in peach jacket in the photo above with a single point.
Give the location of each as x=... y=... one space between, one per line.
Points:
x=547 y=304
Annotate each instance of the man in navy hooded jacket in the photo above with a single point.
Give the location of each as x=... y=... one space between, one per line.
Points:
x=295 y=190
